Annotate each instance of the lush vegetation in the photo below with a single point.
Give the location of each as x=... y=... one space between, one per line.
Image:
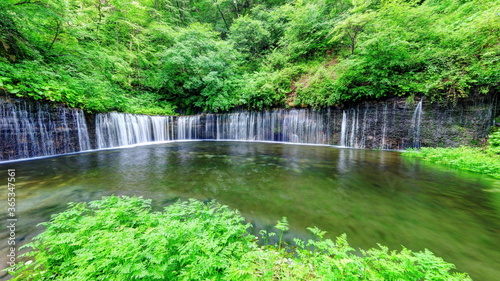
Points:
x=152 y=56
x=120 y=238
x=484 y=160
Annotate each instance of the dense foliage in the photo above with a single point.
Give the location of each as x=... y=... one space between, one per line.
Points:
x=151 y=56
x=485 y=160
x=494 y=143
x=120 y=238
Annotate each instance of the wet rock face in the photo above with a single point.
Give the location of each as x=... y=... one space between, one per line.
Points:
x=392 y=124
x=396 y=125
x=31 y=128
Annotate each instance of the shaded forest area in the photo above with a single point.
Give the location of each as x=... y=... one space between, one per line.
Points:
x=191 y=56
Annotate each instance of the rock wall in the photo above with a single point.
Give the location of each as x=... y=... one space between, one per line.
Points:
x=31 y=128
x=397 y=124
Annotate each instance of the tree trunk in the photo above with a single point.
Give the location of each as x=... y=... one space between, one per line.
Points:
x=222 y=15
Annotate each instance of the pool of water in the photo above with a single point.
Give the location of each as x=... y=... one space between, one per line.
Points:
x=373 y=196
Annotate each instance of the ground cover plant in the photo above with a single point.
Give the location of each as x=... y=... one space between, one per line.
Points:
x=121 y=238
x=485 y=160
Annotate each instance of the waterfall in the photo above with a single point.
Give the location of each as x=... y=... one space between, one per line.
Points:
x=416 y=121
x=384 y=127
x=210 y=126
x=32 y=129
x=121 y=129
x=351 y=135
x=162 y=128
x=83 y=135
x=398 y=128
x=188 y=127
x=297 y=126
x=354 y=129
x=343 y=129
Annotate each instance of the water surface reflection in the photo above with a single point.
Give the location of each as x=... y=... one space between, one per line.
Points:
x=373 y=196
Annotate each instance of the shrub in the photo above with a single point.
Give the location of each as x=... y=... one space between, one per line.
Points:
x=465 y=158
x=494 y=142
x=120 y=238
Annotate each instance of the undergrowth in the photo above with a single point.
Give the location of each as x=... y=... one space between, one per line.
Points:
x=474 y=159
x=121 y=238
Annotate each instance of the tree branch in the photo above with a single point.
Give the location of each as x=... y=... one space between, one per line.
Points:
x=58 y=31
x=222 y=15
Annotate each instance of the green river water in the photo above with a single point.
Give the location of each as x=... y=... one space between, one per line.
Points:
x=373 y=196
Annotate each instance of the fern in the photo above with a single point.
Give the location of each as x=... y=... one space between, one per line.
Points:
x=120 y=238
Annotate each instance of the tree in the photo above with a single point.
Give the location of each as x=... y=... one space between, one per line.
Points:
x=199 y=70
x=351 y=27
x=249 y=36
x=306 y=33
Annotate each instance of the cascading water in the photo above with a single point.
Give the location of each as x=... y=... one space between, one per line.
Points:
x=384 y=128
x=83 y=135
x=188 y=127
x=120 y=129
x=351 y=134
x=354 y=129
x=297 y=126
x=379 y=127
x=416 y=122
x=162 y=128
x=343 y=129
x=31 y=129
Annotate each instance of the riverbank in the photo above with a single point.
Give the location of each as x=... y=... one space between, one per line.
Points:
x=474 y=159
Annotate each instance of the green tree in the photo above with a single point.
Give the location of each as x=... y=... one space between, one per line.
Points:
x=249 y=36
x=307 y=32
x=199 y=70
x=351 y=27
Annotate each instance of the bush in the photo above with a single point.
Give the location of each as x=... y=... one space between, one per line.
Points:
x=494 y=142
x=120 y=238
x=465 y=158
